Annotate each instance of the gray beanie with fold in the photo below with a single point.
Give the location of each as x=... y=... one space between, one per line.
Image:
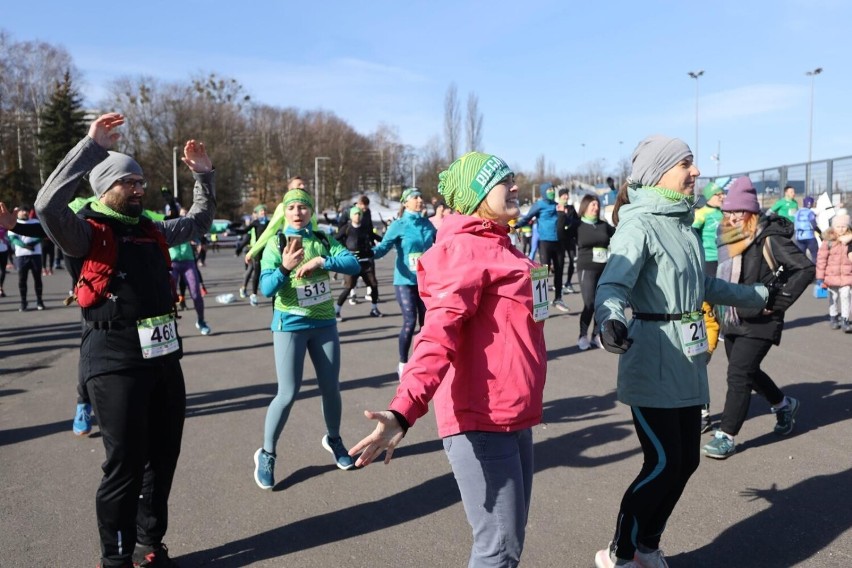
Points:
x=654 y=156
x=115 y=167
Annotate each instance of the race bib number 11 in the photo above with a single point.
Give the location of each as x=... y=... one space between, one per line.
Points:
x=541 y=303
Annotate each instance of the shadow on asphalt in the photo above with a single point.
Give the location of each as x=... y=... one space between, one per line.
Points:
x=799 y=523
x=805 y=321
x=403 y=507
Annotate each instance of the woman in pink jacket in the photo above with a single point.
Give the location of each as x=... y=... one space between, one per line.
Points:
x=834 y=271
x=480 y=355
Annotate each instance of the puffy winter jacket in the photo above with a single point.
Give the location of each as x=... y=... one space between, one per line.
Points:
x=833 y=264
x=480 y=354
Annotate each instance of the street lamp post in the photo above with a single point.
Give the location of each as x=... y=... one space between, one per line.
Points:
x=695 y=75
x=812 y=75
x=175 y=150
x=316 y=180
x=413 y=171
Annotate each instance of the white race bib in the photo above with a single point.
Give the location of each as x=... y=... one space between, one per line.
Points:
x=693 y=335
x=541 y=303
x=157 y=336
x=600 y=254
x=412 y=260
x=312 y=291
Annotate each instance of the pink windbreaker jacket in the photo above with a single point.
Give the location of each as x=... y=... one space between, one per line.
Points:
x=480 y=354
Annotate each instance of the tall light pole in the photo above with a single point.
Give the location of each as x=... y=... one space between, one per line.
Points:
x=695 y=75
x=812 y=75
x=175 y=150
x=316 y=180
x=414 y=171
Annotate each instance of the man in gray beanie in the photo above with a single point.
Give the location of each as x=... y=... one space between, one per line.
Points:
x=130 y=351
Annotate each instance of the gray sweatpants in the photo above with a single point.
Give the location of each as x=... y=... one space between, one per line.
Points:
x=494 y=472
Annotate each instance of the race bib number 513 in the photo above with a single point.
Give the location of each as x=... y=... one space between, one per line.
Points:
x=313 y=291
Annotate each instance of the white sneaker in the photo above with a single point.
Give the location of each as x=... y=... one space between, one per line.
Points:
x=353 y=301
x=369 y=294
x=583 y=343
x=596 y=341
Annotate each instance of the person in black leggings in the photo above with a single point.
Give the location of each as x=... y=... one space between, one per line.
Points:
x=593 y=237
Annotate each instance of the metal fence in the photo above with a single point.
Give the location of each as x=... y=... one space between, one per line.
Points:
x=809 y=178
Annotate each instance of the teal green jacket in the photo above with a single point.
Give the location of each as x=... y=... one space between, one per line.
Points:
x=655 y=267
x=411 y=235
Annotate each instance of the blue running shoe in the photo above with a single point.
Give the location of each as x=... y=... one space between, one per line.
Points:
x=720 y=447
x=786 y=417
x=339 y=451
x=264 y=469
x=83 y=420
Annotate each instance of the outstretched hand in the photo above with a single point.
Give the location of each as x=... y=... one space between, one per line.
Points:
x=7 y=218
x=195 y=157
x=386 y=436
x=101 y=130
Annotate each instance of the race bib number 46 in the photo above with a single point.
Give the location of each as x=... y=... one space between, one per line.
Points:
x=310 y=292
x=541 y=303
x=157 y=336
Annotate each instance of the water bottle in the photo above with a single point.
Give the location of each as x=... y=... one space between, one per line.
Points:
x=226 y=298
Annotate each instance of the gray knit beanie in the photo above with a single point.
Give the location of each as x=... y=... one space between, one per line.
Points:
x=654 y=156
x=115 y=167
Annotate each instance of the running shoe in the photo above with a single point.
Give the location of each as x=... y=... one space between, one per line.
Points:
x=654 y=559
x=558 y=303
x=583 y=343
x=353 y=301
x=82 y=420
x=369 y=294
x=339 y=451
x=596 y=341
x=202 y=326
x=720 y=447
x=606 y=559
x=23 y=307
x=156 y=556
x=2 y=293
x=40 y=306
x=786 y=417
x=253 y=300
x=264 y=469
x=706 y=423
x=375 y=313
x=568 y=289
x=338 y=317
x=243 y=293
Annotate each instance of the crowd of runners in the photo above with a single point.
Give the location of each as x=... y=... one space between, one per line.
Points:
x=660 y=280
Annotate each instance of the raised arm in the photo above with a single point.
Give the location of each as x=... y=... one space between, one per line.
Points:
x=199 y=218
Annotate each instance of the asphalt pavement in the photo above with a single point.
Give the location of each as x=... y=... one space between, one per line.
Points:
x=777 y=502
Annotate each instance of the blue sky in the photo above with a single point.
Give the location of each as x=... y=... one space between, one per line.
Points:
x=551 y=76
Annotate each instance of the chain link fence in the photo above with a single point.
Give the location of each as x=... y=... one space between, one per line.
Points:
x=810 y=178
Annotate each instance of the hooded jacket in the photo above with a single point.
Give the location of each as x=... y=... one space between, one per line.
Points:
x=411 y=235
x=480 y=354
x=655 y=267
x=833 y=264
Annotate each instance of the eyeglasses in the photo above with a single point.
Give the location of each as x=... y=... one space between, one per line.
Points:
x=133 y=183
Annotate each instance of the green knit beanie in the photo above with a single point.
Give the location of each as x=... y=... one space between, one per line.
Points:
x=355 y=210
x=469 y=179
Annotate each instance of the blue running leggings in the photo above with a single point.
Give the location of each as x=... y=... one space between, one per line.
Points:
x=323 y=345
x=413 y=311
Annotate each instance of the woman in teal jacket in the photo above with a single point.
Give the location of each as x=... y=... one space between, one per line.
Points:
x=295 y=271
x=656 y=269
x=411 y=235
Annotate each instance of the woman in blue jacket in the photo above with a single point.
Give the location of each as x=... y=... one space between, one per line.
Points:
x=411 y=235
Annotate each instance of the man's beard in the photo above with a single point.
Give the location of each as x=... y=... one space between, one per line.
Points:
x=122 y=205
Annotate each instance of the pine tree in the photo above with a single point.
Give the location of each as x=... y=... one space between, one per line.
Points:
x=63 y=123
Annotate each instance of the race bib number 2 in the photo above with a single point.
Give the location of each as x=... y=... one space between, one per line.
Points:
x=541 y=303
x=157 y=336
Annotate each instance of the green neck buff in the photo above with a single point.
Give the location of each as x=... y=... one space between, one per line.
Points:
x=589 y=219
x=104 y=210
x=672 y=195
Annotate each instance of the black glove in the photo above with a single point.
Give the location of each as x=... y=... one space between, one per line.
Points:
x=614 y=337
